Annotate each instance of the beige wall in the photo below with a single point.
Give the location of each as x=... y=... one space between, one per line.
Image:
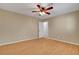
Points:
x=15 y=27
x=65 y=27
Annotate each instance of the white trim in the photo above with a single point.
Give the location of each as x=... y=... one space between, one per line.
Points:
x=36 y=38
x=17 y=41
x=63 y=41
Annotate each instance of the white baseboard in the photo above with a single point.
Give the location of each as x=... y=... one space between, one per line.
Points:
x=17 y=41
x=36 y=38
x=63 y=41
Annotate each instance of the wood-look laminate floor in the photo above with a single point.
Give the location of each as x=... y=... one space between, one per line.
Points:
x=41 y=46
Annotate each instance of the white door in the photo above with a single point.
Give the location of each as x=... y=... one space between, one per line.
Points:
x=43 y=29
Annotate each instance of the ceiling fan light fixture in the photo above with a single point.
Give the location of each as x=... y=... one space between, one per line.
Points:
x=42 y=13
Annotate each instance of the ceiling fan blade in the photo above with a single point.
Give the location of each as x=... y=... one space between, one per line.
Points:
x=49 y=8
x=35 y=11
x=47 y=13
x=38 y=6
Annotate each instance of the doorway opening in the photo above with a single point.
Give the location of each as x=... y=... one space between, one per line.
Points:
x=43 y=29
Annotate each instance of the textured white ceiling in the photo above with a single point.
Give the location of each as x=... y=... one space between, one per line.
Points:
x=27 y=8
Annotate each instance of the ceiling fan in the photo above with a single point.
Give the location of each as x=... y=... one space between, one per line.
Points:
x=43 y=10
